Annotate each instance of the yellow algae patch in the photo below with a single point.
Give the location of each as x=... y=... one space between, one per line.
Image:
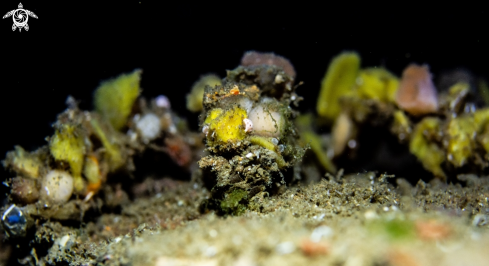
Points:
x=226 y=126
x=378 y=84
x=481 y=120
x=26 y=163
x=401 y=125
x=67 y=145
x=461 y=132
x=263 y=142
x=213 y=114
x=196 y=95
x=114 y=98
x=426 y=150
x=339 y=81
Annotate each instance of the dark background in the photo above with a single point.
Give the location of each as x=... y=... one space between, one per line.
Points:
x=72 y=46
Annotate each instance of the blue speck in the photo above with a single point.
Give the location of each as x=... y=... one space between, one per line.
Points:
x=11 y=219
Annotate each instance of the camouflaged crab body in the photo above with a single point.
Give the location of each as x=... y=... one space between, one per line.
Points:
x=248 y=132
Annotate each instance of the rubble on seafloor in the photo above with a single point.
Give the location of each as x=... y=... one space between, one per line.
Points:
x=264 y=186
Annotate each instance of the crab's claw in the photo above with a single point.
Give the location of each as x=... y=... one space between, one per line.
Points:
x=26 y=27
x=13 y=27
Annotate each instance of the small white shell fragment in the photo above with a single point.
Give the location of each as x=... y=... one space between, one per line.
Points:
x=149 y=127
x=248 y=125
x=249 y=155
x=279 y=79
x=64 y=240
x=205 y=130
x=275 y=141
x=163 y=102
x=56 y=187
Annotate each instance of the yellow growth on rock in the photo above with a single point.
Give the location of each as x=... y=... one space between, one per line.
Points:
x=26 y=163
x=226 y=126
x=263 y=142
x=67 y=145
x=378 y=84
x=114 y=98
x=339 y=81
x=401 y=126
x=461 y=132
x=481 y=120
x=425 y=149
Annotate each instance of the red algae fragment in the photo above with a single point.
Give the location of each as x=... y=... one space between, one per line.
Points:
x=417 y=93
x=253 y=58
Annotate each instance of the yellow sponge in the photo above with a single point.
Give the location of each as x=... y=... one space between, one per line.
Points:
x=114 y=98
x=427 y=151
x=378 y=84
x=67 y=145
x=339 y=81
x=226 y=126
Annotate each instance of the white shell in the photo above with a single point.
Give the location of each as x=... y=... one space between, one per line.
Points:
x=205 y=130
x=248 y=125
x=57 y=187
x=266 y=123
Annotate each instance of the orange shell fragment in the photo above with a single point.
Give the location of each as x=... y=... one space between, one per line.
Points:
x=234 y=91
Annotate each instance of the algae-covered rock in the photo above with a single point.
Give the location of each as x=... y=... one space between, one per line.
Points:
x=233 y=203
